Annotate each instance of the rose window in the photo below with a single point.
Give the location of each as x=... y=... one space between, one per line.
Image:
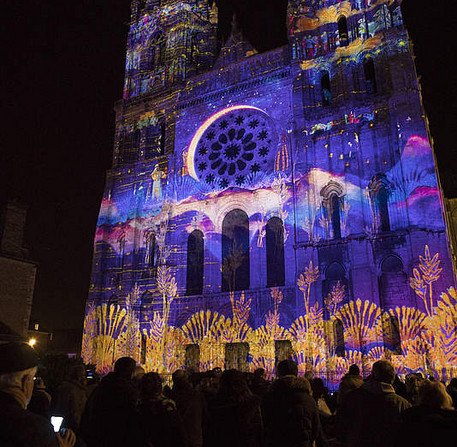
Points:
x=240 y=143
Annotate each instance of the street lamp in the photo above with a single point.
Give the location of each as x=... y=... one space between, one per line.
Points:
x=32 y=342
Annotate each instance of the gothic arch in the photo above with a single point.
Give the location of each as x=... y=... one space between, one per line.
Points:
x=235 y=251
x=379 y=190
x=332 y=202
x=275 y=252
x=195 y=263
x=393 y=284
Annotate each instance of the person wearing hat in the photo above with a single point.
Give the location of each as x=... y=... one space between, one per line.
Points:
x=18 y=426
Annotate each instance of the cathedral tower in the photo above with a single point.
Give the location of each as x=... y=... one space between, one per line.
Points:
x=271 y=205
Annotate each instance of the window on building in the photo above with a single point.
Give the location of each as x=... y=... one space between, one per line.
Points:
x=192 y=357
x=343 y=31
x=195 y=263
x=154 y=141
x=391 y=333
x=334 y=215
x=338 y=336
x=379 y=196
x=235 y=251
x=275 y=252
x=325 y=88
x=150 y=259
x=370 y=76
x=129 y=145
x=236 y=356
x=393 y=283
x=143 y=355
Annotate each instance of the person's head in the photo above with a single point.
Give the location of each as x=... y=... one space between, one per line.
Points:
x=78 y=374
x=150 y=385
x=383 y=371
x=318 y=387
x=233 y=384
x=259 y=373
x=18 y=365
x=309 y=375
x=453 y=382
x=125 y=367
x=138 y=372
x=287 y=368
x=354 y=370
x=434 y=395
x=180 y=377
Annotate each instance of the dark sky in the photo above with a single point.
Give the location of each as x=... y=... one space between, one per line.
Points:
x=61 y=72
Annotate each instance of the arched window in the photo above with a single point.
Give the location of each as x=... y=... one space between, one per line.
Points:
x=235 y=251
x=275 y=253
x=391 y=333
x=393 y=283
x=195 y=255
x=343 y=31
x=338 y=336
x=370 y=76
x=150 y=260
x=379 y=196
x=334 y=216
x=325 y=88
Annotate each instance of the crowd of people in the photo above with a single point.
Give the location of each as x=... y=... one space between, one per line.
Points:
x=222 y=408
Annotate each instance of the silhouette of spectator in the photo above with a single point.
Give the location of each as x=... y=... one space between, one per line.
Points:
x=370 y=415
x=110 y=417
x=18 y=426
x=433 y=423
x=290 y=413
x=452 y=391
x=234 y=417
x=259 y=385
x=40 y=403
x=160 y=422
x=71 y=397
x=413 y=383
x=351 y=381
x=189 y=405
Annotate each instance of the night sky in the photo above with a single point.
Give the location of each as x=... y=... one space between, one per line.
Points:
x=62 y=71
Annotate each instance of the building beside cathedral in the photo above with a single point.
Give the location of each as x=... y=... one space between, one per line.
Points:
x=270 y=205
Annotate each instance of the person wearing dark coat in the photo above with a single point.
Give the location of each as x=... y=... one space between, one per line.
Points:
x=110 y=418
x=452 y=391
x=370 y=415
x=234 y=417
x=290 y=414
x=161 y=425
x=433 y=422
x=18 y=426
x=189 y=403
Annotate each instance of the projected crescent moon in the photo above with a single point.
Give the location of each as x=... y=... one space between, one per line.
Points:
x=202 y=129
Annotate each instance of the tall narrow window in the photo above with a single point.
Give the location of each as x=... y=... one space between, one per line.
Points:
x=121 y=245
x=235 y=251
x=379 y=196
x=391 y=334
x=334 y=214
x=338 y=335
x=393 y=283
x=343 y=31
x=236 y=356
x=150 y=251
x=275 y=253
x=195 y=254
x=325 y=88
x=192 y=357
x=370 y=76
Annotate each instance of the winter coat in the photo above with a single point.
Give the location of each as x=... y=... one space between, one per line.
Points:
x=22 y=428
x=110 y=418
x=290 y=415
x=70 y=402
x=348 y=383
x=427 y=427
x=234 y=422
x=370 y=415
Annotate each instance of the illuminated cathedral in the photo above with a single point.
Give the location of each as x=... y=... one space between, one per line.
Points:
x=273 y=205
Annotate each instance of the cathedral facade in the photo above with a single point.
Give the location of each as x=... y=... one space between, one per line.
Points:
x=270 y=205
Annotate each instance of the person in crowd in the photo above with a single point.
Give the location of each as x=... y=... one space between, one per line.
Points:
x=259 y=385
x=71 y=397
x=40 y=403
x=400 y=387
x=433 y=422
x=161 y=425
x=18 y=426
x=290 y=414
x=351 y=381
x=370 y=415
x=234 y=417
x=452 y=391
x=413 y=383
x=189 y=404
x=110 y=417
